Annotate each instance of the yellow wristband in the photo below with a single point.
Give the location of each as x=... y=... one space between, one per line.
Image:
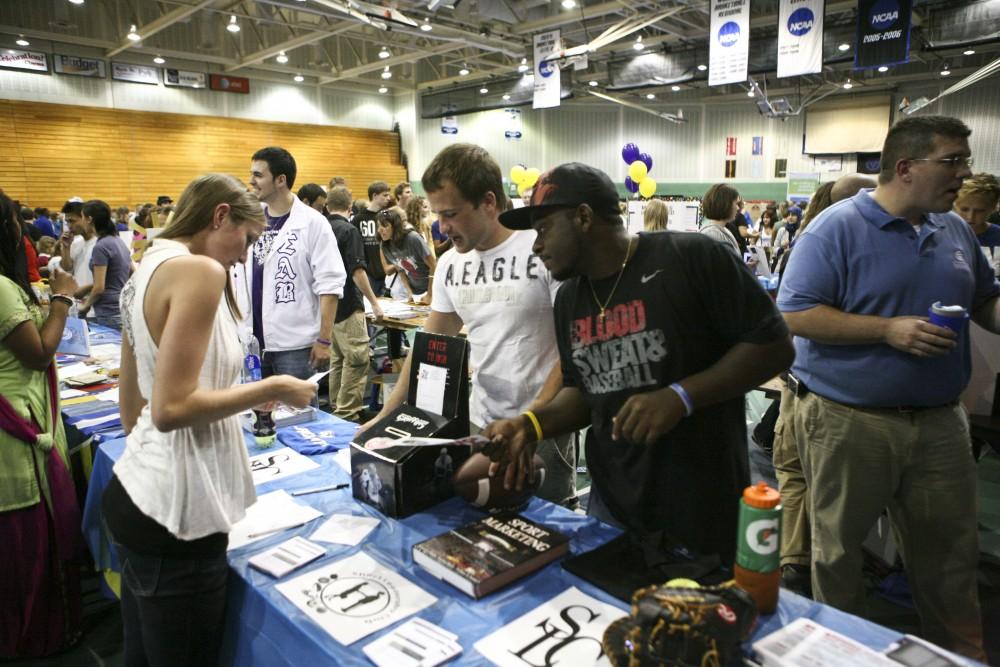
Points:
x=534 y=422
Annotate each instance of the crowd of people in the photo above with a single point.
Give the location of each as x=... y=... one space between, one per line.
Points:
x=651 y=340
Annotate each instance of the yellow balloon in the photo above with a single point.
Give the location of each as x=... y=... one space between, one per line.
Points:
x=647 y=186
x=517 y=173
x=531 y=176
x=637 y=171
x=522 y=188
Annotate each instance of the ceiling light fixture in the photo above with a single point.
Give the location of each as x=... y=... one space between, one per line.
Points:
x=76 y=2
x=299 y=78
x=484 y=90
x=638 y=43
x=848 y=85
x=945 y=71
x=702 y=68
x=568 y=4
x=426 y=25
x=968 y=52
x=386 y=74
x=383 y=90
x=282 y=58
x=675 y=88
x=650 y=96
x=21 y=41
x=592 y=84
x=134 y=35
x=464 y=71
x=233 y=26
x=384 y=53
x=749 y=93
x=159 y=60
x=506 y=97
x=883 y=68
x=844 y=47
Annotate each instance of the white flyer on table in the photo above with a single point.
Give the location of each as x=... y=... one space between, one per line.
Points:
x=108 y=350
x=109 y=395
x=272 y=513
x=72 y=370
x=278 y=463
x=416 y=643
x=354 y=597
x=566 y=630
x=343 y=459
x=97 y=421
x=345 y=529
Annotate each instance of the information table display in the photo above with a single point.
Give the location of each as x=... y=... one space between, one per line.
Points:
x=265 y=628
x=270 y=623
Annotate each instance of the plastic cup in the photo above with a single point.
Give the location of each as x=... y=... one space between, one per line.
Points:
x=952 y=317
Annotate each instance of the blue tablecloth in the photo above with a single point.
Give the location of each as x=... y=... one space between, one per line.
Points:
x=264 y=628
x=72 y=414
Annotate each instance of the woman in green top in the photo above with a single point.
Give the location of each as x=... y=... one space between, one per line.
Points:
x=40 y=541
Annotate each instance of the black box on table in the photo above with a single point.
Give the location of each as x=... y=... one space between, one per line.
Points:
x=403 y=480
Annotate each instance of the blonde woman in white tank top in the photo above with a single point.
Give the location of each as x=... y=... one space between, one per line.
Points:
x=184 y=478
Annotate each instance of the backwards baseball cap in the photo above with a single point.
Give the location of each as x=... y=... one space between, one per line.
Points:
x=566 y=186
x=164 y=199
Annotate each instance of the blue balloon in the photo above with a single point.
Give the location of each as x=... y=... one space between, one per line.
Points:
x=630 y=153
x=647 y=160
x=631 y=185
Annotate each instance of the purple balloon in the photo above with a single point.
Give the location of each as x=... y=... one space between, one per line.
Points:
x=630 y=153
x=631 y=185
x=647 y=160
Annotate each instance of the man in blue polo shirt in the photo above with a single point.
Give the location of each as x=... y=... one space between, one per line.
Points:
x=877 y=385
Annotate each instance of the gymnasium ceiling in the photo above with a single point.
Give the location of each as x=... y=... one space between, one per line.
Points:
x=337 y=43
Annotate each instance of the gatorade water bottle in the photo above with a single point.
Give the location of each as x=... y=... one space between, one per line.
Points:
x=758 y=561
x=263 y=423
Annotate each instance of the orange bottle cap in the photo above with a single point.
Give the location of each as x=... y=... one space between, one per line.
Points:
x=761 y=496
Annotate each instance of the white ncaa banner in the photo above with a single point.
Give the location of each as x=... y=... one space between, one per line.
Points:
x=800 y=37
x=547 y=80
x=729 y=42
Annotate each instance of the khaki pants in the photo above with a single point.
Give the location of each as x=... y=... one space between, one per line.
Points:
x=920 y=466
x=795 y=544
x=349 y=366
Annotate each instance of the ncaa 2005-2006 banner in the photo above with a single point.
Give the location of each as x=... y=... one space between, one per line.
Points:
x=883 y=33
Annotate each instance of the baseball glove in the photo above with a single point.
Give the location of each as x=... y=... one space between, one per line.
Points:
x=682 y=627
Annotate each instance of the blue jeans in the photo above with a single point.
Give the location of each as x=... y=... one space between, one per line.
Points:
x=173 y=609
x=287 y=362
